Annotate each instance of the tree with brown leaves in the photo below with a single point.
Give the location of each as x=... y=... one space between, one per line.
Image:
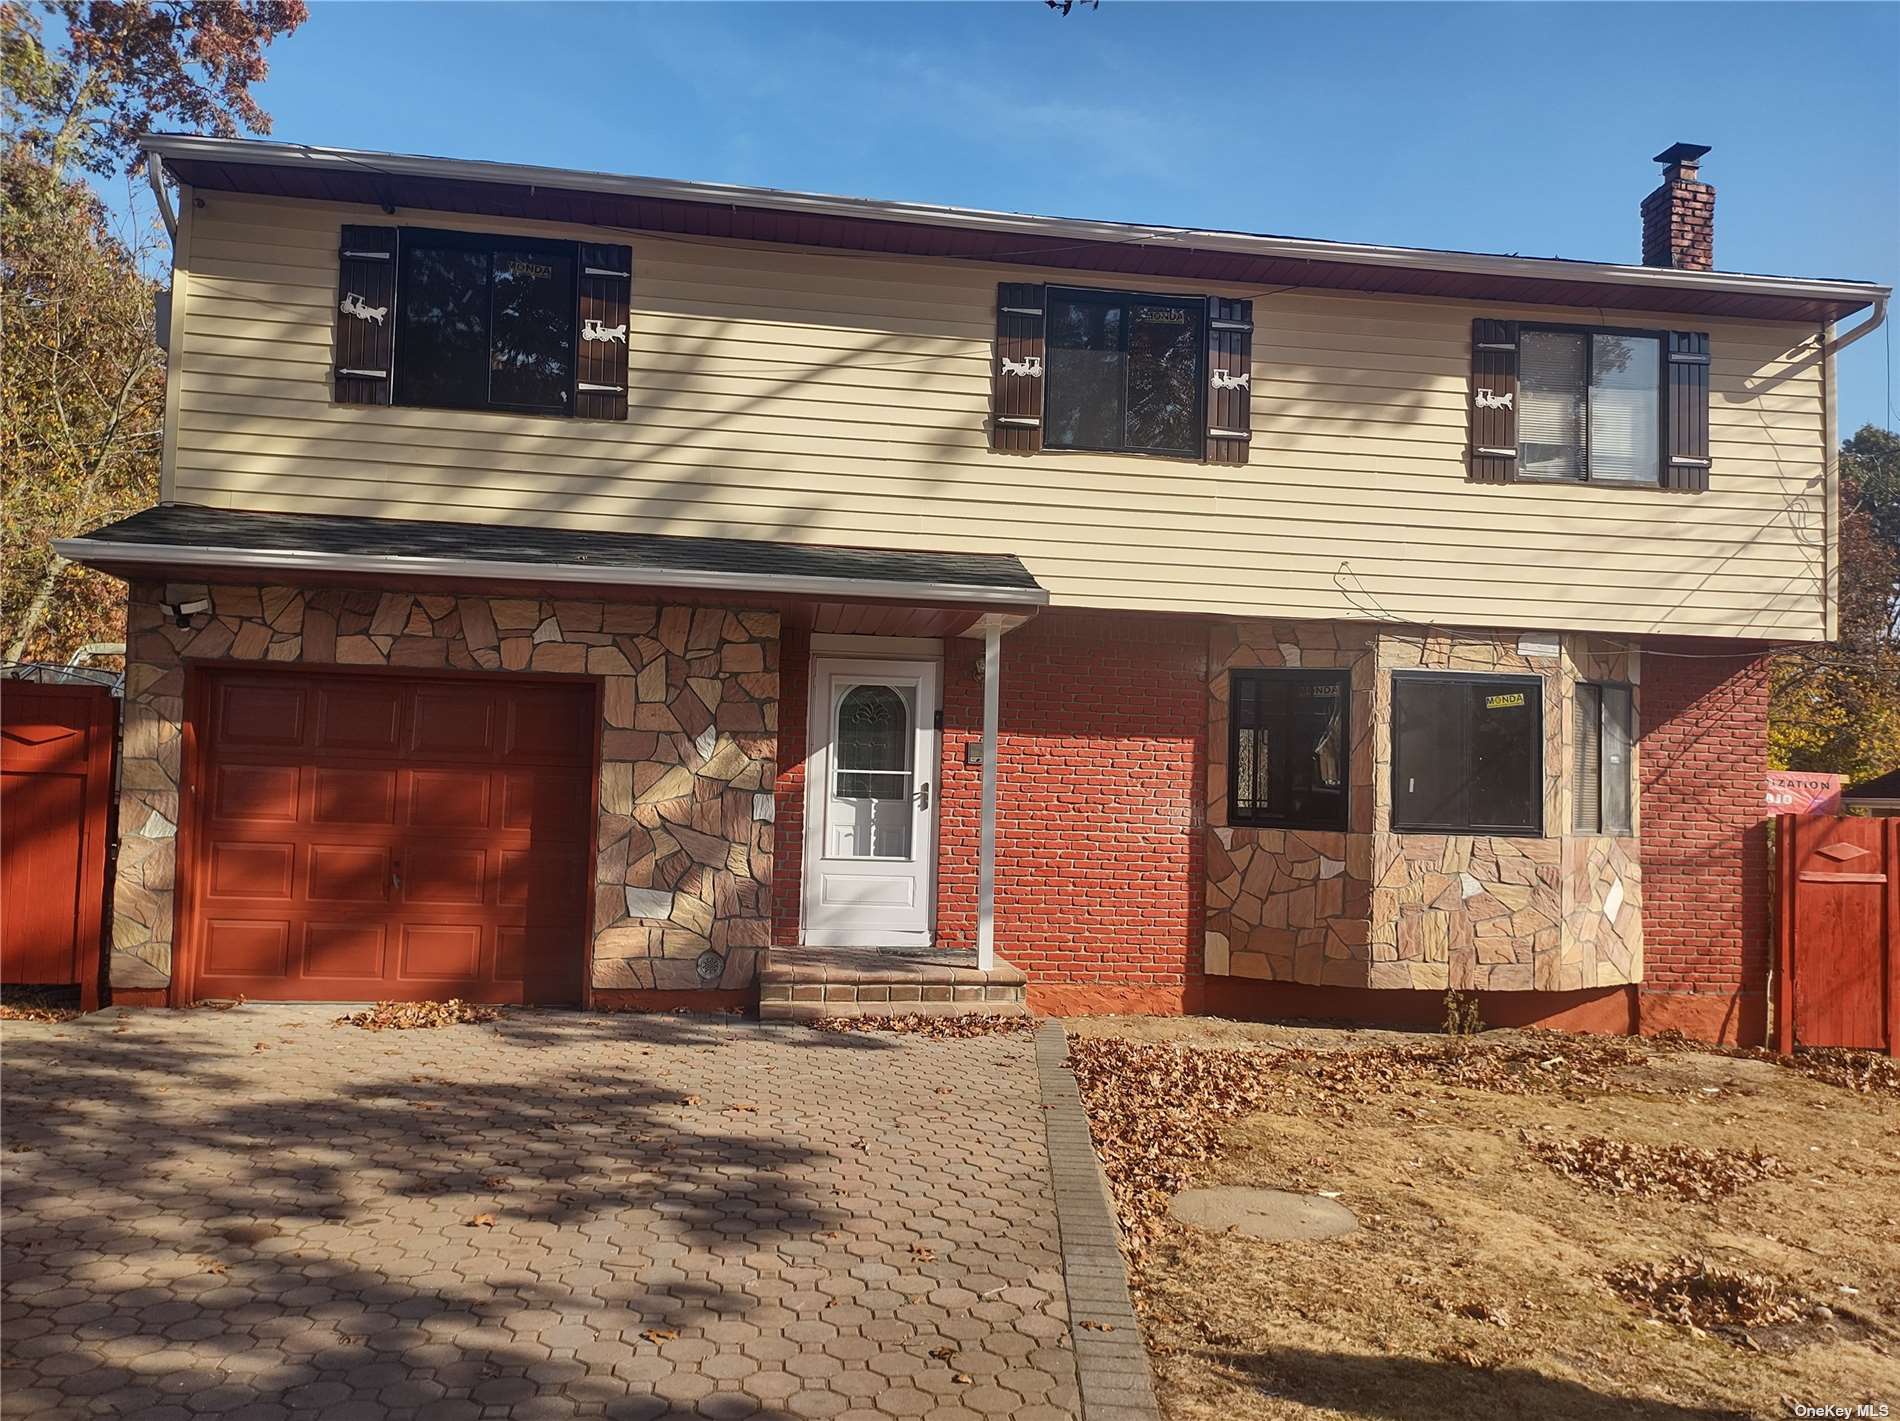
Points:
x=82 y=383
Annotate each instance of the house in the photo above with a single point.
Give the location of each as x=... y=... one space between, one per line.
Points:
x=578 y=588
x=1878 y=796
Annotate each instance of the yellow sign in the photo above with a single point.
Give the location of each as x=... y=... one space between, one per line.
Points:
x=1504 y=702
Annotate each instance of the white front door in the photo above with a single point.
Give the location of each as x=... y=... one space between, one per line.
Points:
x=870 y=800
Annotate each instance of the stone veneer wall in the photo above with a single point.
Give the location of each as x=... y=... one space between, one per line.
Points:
x=690 y=696
x=1371 y=908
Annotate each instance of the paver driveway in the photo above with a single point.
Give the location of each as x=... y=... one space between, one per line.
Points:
x=257 y=1213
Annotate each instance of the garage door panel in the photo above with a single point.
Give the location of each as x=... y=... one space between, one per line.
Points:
x=545 y=723
x=350 y=873
x=554 y=803
x=450 y=952
x=453 y=721
x=253 y=870
x=450 y=799
x=237 y=948
x=440 y=874
x=363 y=718
x=381 y=847
x=353 y=796
x=251 y=714
x=339 y=952
x=264 y=792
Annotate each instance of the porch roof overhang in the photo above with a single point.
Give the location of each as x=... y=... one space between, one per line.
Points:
x=395 y=181
x=871 y=590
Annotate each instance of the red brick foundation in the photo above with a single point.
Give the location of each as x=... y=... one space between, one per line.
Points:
x=1703 y=752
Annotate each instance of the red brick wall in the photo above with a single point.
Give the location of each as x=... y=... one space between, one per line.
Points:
x=1099 y=845
x=788 y=791
x=1704 y=840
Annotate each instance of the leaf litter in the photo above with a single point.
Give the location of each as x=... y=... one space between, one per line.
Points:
x=416 y=1016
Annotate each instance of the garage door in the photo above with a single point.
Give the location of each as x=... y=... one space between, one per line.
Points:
x=370 y=837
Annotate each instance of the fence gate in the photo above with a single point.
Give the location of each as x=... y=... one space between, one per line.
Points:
x=1837 y=981
x=56 y=745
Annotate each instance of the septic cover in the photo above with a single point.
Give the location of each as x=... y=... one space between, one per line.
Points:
x=1263 y=1213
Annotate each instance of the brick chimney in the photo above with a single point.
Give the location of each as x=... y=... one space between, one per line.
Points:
x=1679 y=216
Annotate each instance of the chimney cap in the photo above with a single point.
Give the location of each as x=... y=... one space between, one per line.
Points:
x=1685 y=153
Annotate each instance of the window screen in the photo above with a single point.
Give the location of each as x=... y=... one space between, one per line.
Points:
x=1467 y=753
x=1288 y=748
x=1600 y=759
x=1123 y=372
x=1590 y=406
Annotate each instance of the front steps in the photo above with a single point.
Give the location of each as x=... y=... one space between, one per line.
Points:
x=807 y=983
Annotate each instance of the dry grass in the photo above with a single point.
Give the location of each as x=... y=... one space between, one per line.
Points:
x=1752 y=1262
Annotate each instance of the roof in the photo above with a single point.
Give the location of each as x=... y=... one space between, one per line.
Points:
x=178 y=536
x=394 y=180
x=1885 y=786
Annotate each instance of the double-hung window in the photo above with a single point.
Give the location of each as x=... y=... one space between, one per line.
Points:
x=1600 y=759
x=1467 y=753
x=486 y=322
x=1289 y=737
x=1590 y=406
x=1124 y=372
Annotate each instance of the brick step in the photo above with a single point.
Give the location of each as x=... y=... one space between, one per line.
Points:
x=801 y=984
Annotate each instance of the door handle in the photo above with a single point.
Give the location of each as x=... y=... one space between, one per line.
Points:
x=395 y=875
x=923 y=795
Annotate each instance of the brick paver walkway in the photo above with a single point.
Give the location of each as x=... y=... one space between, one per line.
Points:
x=256 y=1213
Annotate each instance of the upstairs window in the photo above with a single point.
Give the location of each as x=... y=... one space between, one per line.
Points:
x=1288 y=743
x=1590 y=406
x=1600 y=759
x=486 y=322
x=1467 y=753
x=1124 y=372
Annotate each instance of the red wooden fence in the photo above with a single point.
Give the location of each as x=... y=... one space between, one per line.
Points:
x=56 y=746
x=1838 y=928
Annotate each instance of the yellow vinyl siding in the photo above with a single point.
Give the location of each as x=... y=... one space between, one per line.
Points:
x=825 y=397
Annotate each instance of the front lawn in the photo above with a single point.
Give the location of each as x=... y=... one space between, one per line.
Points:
x=1550 y=1226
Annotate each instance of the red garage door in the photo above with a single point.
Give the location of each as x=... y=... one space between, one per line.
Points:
x=368 y=837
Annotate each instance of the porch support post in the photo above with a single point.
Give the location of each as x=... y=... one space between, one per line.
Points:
x=986 y=827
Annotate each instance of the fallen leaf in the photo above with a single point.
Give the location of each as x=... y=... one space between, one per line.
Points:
x=481 y=1221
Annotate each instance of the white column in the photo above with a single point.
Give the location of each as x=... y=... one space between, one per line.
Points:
x=986 y=827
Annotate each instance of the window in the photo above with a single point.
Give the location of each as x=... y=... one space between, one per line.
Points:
x=1123 y=372
x=1600 y=760
x=1467 y=753
x=1288 y=742
x=1590 y=406
x=486 y=322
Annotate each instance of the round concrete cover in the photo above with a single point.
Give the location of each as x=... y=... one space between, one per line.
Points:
x=1263 y=1213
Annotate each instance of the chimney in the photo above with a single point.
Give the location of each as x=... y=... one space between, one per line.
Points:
x=1679 y=216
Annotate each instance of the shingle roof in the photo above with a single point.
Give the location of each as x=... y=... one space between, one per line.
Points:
x=618 y=557
x=1885 y=786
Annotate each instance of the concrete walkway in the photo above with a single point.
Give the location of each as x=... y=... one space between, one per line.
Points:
x=258 y=1213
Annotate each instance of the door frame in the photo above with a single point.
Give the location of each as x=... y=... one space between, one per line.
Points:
x=193 y=759
x=900 y=661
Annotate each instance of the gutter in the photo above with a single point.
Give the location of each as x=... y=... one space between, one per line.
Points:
x=1865 y=328
x=343 y=161
x=93 y=552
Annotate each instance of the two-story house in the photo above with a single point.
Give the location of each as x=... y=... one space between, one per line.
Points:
x=572 y=588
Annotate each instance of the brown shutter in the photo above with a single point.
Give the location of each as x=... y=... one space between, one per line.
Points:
x=1229 y=380
x=1686 y=413
x=600 y=339
x=1493 y=401
x=366 y=316
x=1016 y=381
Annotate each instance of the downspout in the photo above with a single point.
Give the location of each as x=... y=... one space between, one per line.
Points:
x=1865 y=328
x=155 y=174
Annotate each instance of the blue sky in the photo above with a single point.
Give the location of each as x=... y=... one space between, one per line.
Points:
x=1500 y=127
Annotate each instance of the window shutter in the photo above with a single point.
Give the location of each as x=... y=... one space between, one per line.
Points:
x=1493 y=401
x=1686 y=412
x=1016 y=383
x=606 y=294
x=1229 y=380
x=366 y=316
